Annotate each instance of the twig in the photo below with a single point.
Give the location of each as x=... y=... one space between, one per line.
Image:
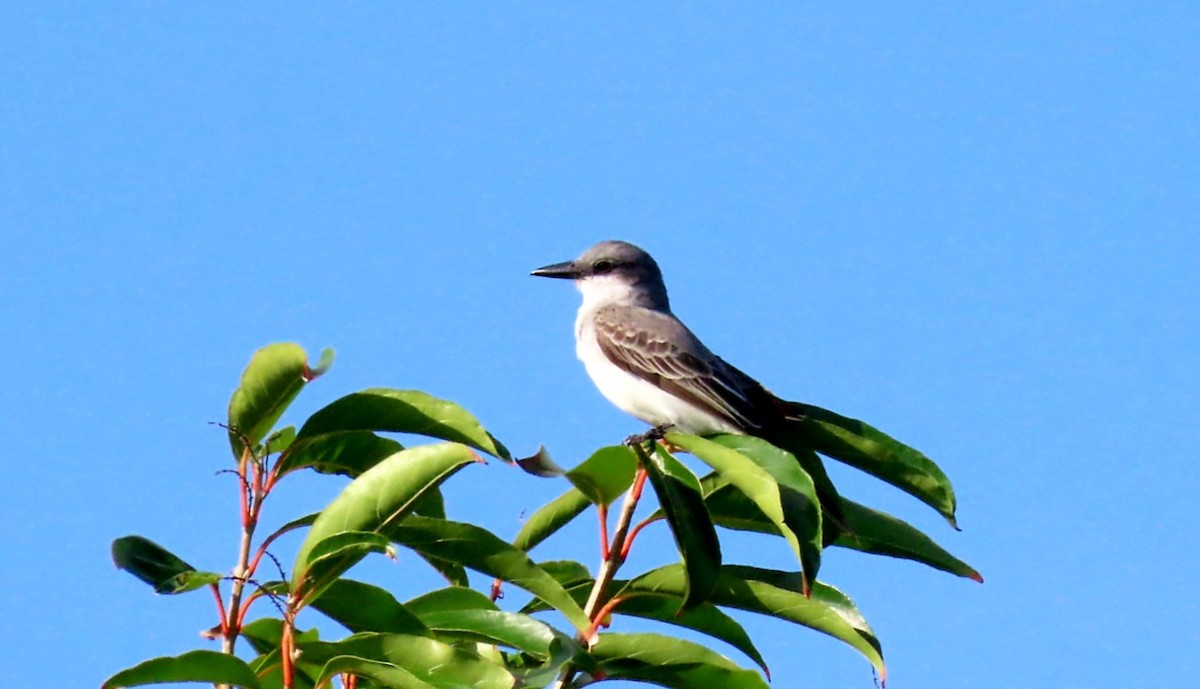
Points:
x=615 y=557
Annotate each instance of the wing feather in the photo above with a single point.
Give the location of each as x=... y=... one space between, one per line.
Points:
x=657 y=348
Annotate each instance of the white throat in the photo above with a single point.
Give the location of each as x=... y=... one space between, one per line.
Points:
x=601 y=290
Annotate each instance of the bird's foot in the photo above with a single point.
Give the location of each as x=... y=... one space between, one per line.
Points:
x=655 y=433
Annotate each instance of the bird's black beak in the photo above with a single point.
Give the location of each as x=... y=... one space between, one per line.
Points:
x=567 y=270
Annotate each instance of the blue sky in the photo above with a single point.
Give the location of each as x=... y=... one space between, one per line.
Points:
x=972 y=225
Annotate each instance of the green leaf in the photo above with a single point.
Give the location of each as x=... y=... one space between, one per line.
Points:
x=866 y=448
x=272 y=379
x=514 y=630
x=269 y=669
x=730 y=508
x=678 y=492
x=362 y=607
x=449 y=598
x=797 y=494
x=403 y=411
x=777 y=594
x=569 y=573
x=833 y=521
x=157 y=566
x=478 y=549
x=348 y=453
x=299 y=523
x=670 y=662
x=385 y=674
x=375 y=502
x=747 y=476
x=876 y=532
x=551 y=517
x=324 y=363
x=280 y=440
x=432 y=504
x=550 y=647
x=334 y=554
x=605 y=475
x=705 y=618
x=428 y=660
x=265 y=634
x=540 y=464
x=194 y=666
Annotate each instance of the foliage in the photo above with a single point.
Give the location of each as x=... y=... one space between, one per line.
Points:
x=458 y=637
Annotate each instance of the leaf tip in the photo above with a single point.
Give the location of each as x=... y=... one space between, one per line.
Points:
x=323 y=364
x=975 y=576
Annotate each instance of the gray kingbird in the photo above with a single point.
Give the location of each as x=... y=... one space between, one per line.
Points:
x=645 y=360
x=649 y=364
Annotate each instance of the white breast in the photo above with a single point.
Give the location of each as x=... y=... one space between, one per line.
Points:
x=630 y=393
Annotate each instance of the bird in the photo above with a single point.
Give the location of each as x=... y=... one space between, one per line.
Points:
x=644 y=359
x=650 y=365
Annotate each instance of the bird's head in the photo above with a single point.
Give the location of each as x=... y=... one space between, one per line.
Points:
x=613 y=271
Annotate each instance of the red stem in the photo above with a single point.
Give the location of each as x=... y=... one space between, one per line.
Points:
x=258 y=482
x=216 y=591
x=633 y=534
x=241 y=620
x=285 y=652
x=598 y=618
x=602 y=511
x=243 y=493
x=272 y=477
x=639 y=482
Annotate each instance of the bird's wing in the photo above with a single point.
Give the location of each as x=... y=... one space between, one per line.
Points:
x=657 y=348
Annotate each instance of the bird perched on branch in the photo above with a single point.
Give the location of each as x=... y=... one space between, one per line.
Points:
x=649 y=364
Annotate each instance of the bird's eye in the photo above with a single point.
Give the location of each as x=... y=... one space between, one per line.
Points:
x=602 y=267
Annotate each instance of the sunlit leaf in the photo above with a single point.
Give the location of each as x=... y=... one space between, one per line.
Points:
x=334 y=554
x=272 y=379
x=678 y=492
x=383 y=673
x=449 y=598
x=670 y=662
x=605 y=475
x=375 y=502
x=431 y=661
x=514 y=630
x=551 y=517
x=794 y=442
x=194 y=666
x=876 y=532
x=362 y=607
x=748 y=477
x=478 y=549
x=797 y=494
x=348 y=453
x=324 y=363
x=567 y=572
x=777 y=594
x=705 y=618
x=548 y=646
x=403 y=411
x=862 y=446
x=280 y=440
x=265 y=634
